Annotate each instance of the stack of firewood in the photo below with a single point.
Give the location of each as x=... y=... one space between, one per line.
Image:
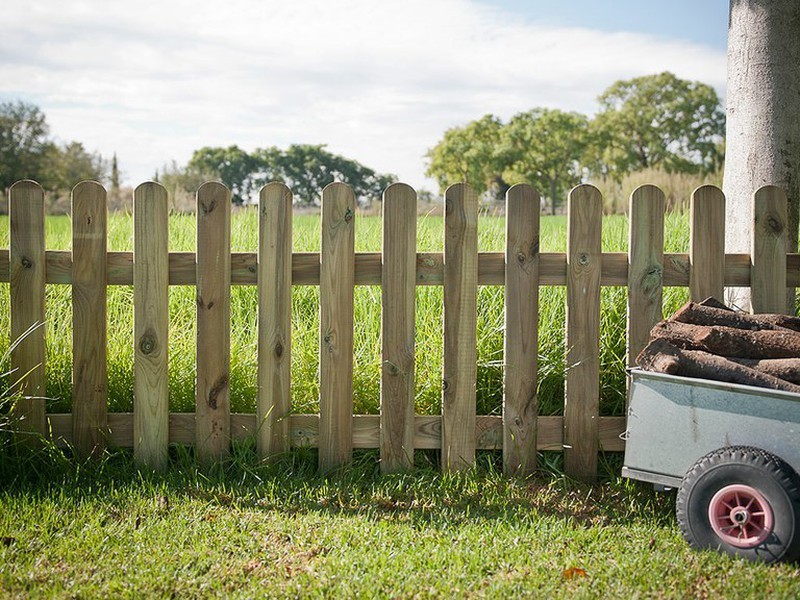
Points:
x=710 y=341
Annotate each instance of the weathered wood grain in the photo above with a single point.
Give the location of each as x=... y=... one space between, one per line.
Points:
x=89 y=366
x=645 y=268
x=27 y=299
x=397 y=327
x=151 y=325
x=520 y=356
x=337 y=273
x=212 y=388
x=304 y=431
x=707 y=244
x=460 y=327
x=582 y=385
x=770 y=238
x=274 y=319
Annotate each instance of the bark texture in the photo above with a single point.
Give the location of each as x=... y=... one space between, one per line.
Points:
x=763 y=127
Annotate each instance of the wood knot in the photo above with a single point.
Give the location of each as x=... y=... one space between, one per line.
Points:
x=583 y=260
x=774 y=225
x=208 y=207
x=445 y=385
x=216 y=390
x=278 y=350
x=148 y=342
x=348 y=215
x=27 y=263
x=521 y=258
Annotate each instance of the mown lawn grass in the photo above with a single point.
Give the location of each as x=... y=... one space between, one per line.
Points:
x=88 y=530
x=305 y=321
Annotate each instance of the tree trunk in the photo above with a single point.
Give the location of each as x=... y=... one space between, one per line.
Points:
x=763 y=118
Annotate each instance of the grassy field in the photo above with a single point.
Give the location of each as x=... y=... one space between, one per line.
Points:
x=305 y=300
x=246 y=530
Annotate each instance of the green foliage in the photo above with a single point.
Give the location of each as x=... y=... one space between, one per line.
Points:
x=23 y=142
x=26 y=152
x=470 y=154
x=232 y=165
x=544 y=147
x=306 y=169
x=659 y=121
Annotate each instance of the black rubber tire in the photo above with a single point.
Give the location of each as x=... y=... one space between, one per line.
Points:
x=761 y=470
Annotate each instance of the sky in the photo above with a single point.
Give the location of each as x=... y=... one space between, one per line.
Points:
x=378 y=81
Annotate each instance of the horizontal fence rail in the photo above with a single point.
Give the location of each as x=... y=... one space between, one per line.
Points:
x=458 y=431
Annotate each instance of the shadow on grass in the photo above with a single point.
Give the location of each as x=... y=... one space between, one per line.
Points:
x=292 y=483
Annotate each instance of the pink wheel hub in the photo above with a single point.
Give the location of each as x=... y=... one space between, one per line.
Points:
x=740 y=516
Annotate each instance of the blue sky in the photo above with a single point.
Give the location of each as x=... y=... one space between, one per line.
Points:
x=379 y=82
x=700 y=21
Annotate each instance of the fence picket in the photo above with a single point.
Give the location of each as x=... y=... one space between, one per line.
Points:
x=274 y=319
x=337 y=284
x=707 y=244
x=460 y=327
x=27 y=294
x=398 y=285
x=645 y=266
x=212 y=393
x=582 y=385
x=89 y=366
x=770 y=238
x=151 y=323
x=520 y=406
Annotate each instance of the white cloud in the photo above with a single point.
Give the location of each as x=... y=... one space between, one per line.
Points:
x=376 y=81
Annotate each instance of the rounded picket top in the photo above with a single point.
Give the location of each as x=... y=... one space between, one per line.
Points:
x=25 y=186
x=210 y=195
x=398 y=188
x=274 y=189
x=337 y=187
x=90 y=185
x=212 y=187
x=648 y=194
x=149 y=187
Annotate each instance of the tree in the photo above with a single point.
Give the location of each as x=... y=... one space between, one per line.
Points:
x=307 y=169
x=658 y=121
x=470 y=154
x=66 y=166
x=544 y=147
x=114 y=192
x=24 y=146
x=763 y=127
x=232 y=165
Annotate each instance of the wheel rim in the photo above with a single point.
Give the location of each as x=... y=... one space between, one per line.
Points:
x=741 y=516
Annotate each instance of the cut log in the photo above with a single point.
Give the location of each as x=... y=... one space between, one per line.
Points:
x=663 y=357
x=727 y=341
x=700 y=314
x=714 y=303
x=783 y=368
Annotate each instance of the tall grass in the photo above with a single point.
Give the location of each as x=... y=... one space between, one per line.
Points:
x=305 y=321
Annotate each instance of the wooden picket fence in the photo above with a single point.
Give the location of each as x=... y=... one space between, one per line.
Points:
x=89 y=268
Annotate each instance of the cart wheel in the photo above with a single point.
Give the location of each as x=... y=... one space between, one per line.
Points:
x=743 y=501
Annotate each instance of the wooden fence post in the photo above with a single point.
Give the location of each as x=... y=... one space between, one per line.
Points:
x=582 y=386
x=398 y=285
x=27 y=294
x=460 y=327
x=212 y=393
x=768 y=263
x=645 y=266
x=707 y=244
x=274 y=319
x=89 y=281
x=337 y=285
x=151 y=324
x=520 y=407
